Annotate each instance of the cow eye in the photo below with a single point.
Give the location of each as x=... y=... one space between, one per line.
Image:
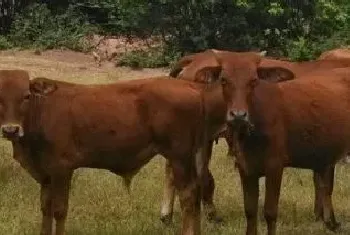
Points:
x=254 y=82
x=26 y=97
x=223 y=80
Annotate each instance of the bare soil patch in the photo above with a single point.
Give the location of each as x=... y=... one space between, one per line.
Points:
x=70 y=66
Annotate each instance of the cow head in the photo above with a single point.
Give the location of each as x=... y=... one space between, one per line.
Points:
x=239 y=74
x=16 y=91
x=188 y=66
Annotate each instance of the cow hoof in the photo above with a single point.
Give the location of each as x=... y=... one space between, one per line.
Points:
x=166 y=219
x=215 y=219
x=318 y=218
x=333 y=226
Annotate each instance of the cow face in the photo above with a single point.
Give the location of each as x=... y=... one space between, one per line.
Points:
x=16 y=92
x=239 y=74
x=14 y=101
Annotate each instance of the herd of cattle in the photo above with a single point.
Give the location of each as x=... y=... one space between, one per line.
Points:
x=272 y=113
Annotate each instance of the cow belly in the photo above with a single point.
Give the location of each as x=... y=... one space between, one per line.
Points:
x=121 y=161
x=313 y=157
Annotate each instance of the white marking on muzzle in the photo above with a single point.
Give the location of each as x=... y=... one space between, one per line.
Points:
x=20 y=129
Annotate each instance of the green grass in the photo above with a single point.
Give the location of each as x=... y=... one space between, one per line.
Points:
x=100 y=205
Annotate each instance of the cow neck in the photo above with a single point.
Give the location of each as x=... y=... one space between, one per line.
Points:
x=215 y=106
x=32 y=123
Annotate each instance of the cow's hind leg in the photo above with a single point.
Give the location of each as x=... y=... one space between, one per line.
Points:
x=318 y=204
x=187 y=185
x=326 y=184
x=168 y=195
x=46 y=207
x=60 y=190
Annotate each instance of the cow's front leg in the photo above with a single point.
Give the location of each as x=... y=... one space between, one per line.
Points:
x=250 y=186
x=60 y=196
x=326 y=184
x=187 y=185
x=272 y=194
x=168 y=195
x=46 y=207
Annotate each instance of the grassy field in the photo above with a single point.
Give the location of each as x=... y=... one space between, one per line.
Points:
x=98 y=202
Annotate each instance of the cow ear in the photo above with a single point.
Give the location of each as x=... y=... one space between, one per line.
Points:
x=208 y=74
x=179 y=66
x=42 y=87
x=275 y=74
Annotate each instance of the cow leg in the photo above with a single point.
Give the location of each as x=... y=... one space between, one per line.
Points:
x=187 y=185
x=168 y=195
x=208 y=187
x=60 y=191
x=318 y=205
x=250 y=186
x=272 y=194
x=326 y=184
x=46 y=208
x=230 y=145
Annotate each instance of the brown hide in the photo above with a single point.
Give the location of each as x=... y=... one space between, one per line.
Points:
x=302 y=68
x=118 y=127
x=340 y=53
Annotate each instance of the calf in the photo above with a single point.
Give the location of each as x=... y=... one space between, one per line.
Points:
x=57 y=127
x=303 y=123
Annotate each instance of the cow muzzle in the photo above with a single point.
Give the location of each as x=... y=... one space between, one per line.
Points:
x=11 y=131
x=239 y=118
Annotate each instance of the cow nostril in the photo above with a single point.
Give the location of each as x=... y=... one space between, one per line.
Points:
x=240 y=114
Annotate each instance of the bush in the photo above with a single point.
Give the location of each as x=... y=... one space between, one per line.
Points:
x=37 y=27
x=151 y=58
x=299 y=29
x=5 y=43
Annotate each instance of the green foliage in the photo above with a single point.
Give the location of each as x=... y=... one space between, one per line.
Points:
x=299 y=29
x=5 y=43
x=38 y=27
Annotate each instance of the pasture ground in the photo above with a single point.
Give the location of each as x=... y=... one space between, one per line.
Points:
x=100 y=205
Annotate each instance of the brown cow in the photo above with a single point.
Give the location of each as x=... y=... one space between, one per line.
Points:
x=335 y=54
x=303 y=123
x=57 y=127
x=186 y=69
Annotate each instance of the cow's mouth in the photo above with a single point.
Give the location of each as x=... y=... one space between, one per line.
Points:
x=11 y=132
x=242 y=127
x=10 y=137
